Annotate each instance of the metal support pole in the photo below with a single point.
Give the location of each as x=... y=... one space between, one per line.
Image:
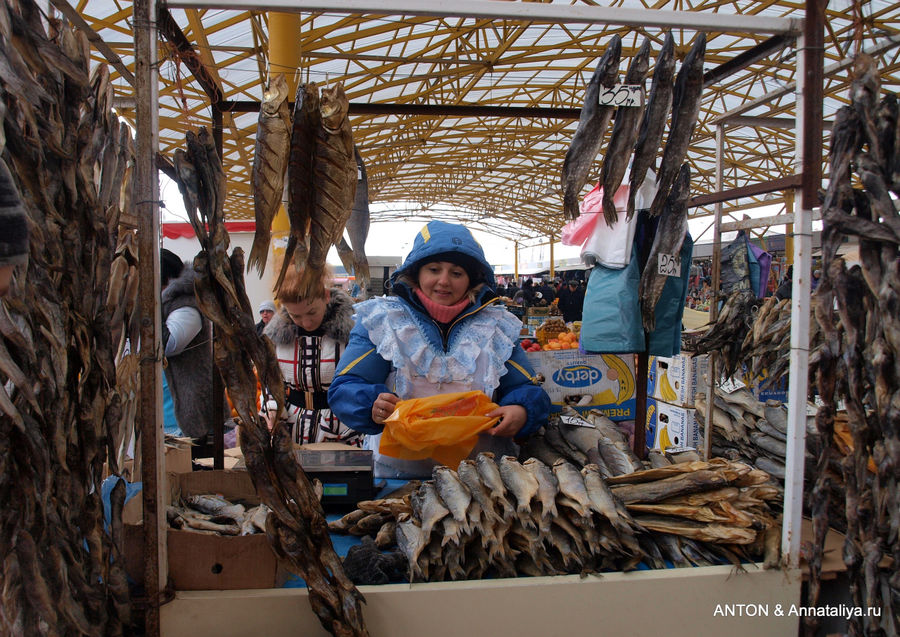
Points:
x=218 y=387
x=715 y=273
x=516 y=263
x=552 y=270
x=810 y=82
x=146 y=203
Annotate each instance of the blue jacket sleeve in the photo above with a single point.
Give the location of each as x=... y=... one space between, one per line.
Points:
x=518 y=386
x=358 y=380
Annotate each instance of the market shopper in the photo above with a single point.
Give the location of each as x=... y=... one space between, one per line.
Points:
x=266 y=312
x=310 y=336
x=440 y=333
x=571 y=301
x=188 y=365
x=14 y=233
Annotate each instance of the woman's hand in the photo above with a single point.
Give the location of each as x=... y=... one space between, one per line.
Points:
x=384 y=406
x=512 y=419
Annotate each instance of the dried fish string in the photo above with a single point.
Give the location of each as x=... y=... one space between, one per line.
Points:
x=866 y=342
x=62 y=571
x=296 y=525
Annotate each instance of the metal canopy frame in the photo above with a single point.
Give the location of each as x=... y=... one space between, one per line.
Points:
x=147 y=118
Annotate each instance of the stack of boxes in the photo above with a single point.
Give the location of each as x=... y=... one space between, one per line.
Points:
x=672 y=386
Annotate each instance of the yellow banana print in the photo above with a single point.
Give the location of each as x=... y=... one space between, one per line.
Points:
x=626 y=378
x=665 y=389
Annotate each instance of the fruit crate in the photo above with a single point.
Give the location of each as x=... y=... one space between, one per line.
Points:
x=548 y=330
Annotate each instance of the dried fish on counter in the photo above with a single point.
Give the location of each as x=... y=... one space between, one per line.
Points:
x=502 y=518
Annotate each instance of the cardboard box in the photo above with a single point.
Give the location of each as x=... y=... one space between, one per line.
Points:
x=198 y=561
x=603 y=382
x=678 y=379
x=671 y=426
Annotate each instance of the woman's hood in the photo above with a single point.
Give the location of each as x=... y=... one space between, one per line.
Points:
x=438 y=237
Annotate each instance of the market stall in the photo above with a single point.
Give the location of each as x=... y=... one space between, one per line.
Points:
x=612 y=513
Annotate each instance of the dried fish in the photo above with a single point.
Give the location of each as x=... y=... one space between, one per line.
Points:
x=592 y=125
x=666 y=244
x=653 y=122
x=685 y=109
x=624 y=133
x=270 y=158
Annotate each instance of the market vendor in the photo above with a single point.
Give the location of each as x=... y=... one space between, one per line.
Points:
x=441 y=333
x=309 y=337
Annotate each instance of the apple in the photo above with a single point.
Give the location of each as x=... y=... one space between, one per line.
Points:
x=527 y=343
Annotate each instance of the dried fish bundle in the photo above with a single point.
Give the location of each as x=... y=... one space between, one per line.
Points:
x=296 y=524
x=589 y=438
x=727 y=334
x=859 y=361
x=65 y=162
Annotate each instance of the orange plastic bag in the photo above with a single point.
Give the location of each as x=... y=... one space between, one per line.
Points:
x=444 y=427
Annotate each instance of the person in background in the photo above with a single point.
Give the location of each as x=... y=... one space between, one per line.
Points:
x=784 y=290
x=512 y=289
x=14 y=233
x=309 y=337
x=441 y=333
x=571 y=301
x=528 y=293
x=501 y=290
x=816 y=277
x=548 y=292
x=266 y=312
x=188 y=364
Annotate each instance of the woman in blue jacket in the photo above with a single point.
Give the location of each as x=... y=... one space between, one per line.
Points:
x=441 y=333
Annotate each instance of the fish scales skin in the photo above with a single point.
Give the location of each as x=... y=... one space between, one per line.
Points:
x=685 y=109
x=571 y=485
x=518 y=481
x=653 y=122
x=358 y=224
x=453 y=492
x=668 y=240
x=270 y=158
x=548 y=487
x=334 y=184
x=624 y=133
x=592 y=125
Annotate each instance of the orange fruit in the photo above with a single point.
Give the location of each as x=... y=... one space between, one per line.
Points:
x=561 y=336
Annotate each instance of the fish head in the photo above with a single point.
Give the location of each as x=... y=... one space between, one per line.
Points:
x=333 y=106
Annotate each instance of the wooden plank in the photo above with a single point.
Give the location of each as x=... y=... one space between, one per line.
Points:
x=765 y=222
x=782 y=183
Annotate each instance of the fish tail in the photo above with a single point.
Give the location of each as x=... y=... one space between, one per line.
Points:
x=288 y=255
x=609 y=209
x=570 y=205
x=259 y=251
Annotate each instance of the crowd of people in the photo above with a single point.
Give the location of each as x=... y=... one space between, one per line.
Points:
x=567 y=295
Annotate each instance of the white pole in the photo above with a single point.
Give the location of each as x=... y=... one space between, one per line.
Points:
x=799 y=360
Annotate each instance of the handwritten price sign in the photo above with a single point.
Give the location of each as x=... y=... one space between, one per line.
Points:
x=622 y=95
x=669 y=265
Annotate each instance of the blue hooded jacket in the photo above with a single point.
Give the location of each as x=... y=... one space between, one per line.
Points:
x=362 y=371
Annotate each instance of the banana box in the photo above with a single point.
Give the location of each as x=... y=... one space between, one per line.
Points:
x=602 y=382
x=671 y=426
x=678 y=379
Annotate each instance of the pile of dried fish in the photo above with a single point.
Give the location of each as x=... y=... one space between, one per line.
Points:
x=727 y=334
x=506 y=518
x=63 y=149
x=210 y=513
x=860 y=359
x=296 y=524
x=315 y=148
x=748 y=430
x=590 y=438
x=766 y=348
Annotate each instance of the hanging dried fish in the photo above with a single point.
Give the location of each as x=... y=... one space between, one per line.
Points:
x=270 y=158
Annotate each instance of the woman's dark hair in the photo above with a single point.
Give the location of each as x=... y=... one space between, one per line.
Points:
x=170 y=266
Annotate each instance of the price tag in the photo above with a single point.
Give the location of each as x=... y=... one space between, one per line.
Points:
x=575 y=421
x=622 y=95
x=670 y=264
x=730 y=385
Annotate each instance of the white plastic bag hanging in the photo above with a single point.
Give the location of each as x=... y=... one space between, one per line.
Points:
x=610 y=246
